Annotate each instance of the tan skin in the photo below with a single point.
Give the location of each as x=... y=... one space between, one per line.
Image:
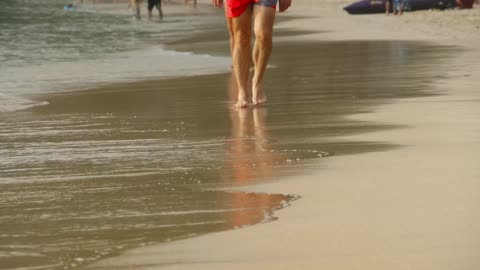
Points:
x=240 y=29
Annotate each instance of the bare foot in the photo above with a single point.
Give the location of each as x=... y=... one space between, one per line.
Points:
x=258 y=96
x=260 y=101
x=241 y=104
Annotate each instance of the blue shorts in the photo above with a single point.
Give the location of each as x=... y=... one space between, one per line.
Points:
x=236 y=8
x=267 y=3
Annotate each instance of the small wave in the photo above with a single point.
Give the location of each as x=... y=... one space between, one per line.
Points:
x=143 y=64
x=67 y=55
x=10 y=103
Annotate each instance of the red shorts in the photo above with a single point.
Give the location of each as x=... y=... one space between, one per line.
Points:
x=235 y=8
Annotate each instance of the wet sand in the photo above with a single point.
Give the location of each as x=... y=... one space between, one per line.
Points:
x=149 y=162
x=400 y=191
x=374 y=133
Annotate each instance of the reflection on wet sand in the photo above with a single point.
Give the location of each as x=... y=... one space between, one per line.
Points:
x=251 y=160
x=249 y=152
x=250 y=155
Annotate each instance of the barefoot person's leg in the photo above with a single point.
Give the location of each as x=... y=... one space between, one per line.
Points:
x=230 y=32
x=160 y=10
x=137 y=9
x=264 y=17
x=242 y=34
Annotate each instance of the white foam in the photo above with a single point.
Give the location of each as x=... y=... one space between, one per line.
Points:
x=14 y=103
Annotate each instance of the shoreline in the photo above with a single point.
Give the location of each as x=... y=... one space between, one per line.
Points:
x=404 y=211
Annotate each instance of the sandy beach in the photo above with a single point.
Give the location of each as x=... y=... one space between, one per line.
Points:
x=409 y=205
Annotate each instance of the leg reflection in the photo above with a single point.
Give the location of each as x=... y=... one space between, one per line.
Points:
x=250 y=161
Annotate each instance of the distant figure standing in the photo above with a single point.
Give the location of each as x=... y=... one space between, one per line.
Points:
x=395 y=6
x=194 y=3
x=398 y=7
x=242 y=15
x=158 y=5
x=135 y=4
x=388 y=6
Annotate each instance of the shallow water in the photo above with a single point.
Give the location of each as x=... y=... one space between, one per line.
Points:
x=44 y=48
x=99 y=171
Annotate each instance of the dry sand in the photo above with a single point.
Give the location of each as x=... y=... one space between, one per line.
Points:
x=413 y=207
